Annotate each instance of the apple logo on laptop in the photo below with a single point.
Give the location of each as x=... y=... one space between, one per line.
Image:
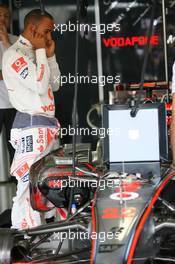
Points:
x=134 y=134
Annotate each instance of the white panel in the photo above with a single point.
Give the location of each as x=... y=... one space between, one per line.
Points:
x=134 y=139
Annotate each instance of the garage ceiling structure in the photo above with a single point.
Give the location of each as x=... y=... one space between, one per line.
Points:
x=100 y=9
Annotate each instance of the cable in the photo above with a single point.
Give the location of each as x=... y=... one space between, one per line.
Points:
x=135 y=105
x=42 y=7
x=164 y=259
x=87 y=172
x=74 y=118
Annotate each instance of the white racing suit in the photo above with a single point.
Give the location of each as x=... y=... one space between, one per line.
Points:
x=29 y=143
x=30 y=78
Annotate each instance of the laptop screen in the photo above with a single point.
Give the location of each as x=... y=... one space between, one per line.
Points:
x=132 y=139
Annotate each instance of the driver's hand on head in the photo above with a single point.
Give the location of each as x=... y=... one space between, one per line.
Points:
x=50 y=47
x=38 y=40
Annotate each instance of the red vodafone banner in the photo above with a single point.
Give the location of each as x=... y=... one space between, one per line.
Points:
x=130 y=41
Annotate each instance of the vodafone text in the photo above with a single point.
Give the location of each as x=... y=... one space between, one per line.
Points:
x=130 y=41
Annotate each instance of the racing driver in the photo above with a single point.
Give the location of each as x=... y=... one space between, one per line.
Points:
x=30 y=69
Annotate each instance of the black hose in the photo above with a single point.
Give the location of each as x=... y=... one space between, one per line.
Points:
x=135 y=107
x=74 y=117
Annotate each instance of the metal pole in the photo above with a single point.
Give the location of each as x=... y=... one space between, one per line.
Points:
x=99 y=52
x=11 y=20
x=165 y=43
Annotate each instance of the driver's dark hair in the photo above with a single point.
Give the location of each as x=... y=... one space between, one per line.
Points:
x=35 y=16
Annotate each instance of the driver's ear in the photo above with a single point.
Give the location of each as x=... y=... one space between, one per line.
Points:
x=49 y=35
x=32 y=29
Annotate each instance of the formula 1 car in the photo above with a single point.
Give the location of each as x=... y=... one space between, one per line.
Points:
x=116 y=217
